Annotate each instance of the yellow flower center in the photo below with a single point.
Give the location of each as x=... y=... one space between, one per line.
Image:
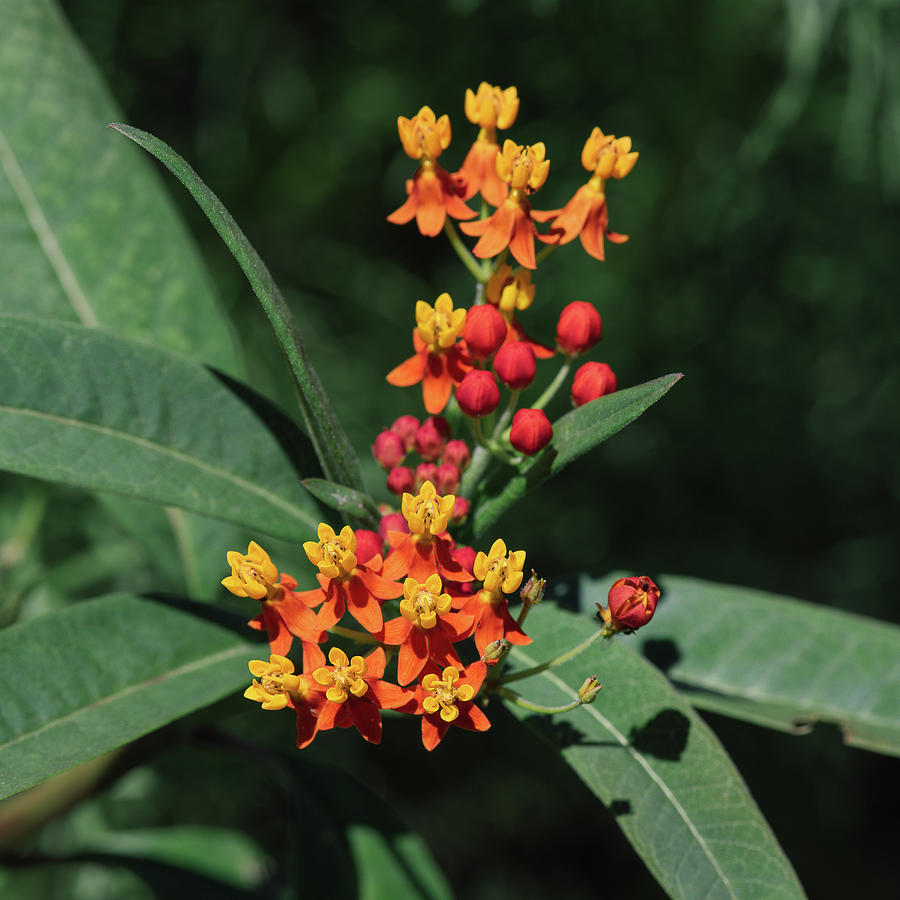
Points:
x=440 y=325
x=277 y=682
x=497 y=571
x=334 y=555
x=442 y=695
x=344 y=679
x=423 y=603
x=252 y=575
x=427 y=513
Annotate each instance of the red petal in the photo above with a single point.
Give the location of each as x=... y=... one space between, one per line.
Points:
x=310 y=598
x=409 y=372
x=397 y=563
x=396 y=630
x=391 y=696
x=380 y=587
x=313 y=657
x=457 y=626
x=440 y=648
x=363 y=606
x=474 y=675
x=490 y=628
x=471 y=718
x=333 y=607
x=366 y=718
x=433 y=731
x=413 y=653
x=307 y=726
x=375 y=663
x=327 y=717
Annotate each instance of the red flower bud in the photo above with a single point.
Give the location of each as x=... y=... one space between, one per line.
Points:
x=515 y=365
x=388 y=449
x=392 y=522
x=406 y=427
x=632 y=602
x=457 y=452
x=447 y=481
x=579 y=328
x=401 y=480
x=485 y=331
x=368 y=543
x=460 y=511
x=478 y=394
x=531 y=431
x=464 y=554
x=592 y=380
x=431 y=437
x=426 y=471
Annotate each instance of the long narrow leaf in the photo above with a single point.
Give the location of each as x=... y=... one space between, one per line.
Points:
x=112 y=669
x=84 y=408
x=336 y=455
x=649 y=757
x=776 y=661
x=574 y=434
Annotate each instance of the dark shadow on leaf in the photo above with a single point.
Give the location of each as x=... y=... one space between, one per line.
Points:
x=664 y=736
x=662 y=653
x=223 y=617
x=620 y=808
x=562 y=734
x=293 y=440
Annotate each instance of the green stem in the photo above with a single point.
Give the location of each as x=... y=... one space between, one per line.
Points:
x=463 y=253
x=481 y=459
x=554 y=386
x=506 y=415
x=535 y=707
x=548 y=249
x=556 y=661
x=360 y=637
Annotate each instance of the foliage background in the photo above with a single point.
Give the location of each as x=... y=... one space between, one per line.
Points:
x=762 y=263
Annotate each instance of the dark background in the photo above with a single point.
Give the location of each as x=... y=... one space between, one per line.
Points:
x=762 y=264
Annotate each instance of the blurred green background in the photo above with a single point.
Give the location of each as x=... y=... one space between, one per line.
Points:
x=763 y=216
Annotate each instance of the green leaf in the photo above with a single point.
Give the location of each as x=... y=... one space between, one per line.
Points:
x=574 y=434
x=338 y=459
x=89 y=234
x=648 y=756
x=775 y=661
x=347 y=501
x=85 y=408
x=111 y=670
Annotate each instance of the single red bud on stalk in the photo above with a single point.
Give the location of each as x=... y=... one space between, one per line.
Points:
x=579 y=328
x=515 y=365
x=431 y=437
x=406 y=427
x=392 y=522
x=388 y=449
x=368 y=543
x=447 y=478
x=484 y=332
x=401 y=480
x=460 y=512
x=426 y=471
x=592 y=380
x=478 y=394
x=457 y=452
x=632 y=602
x=531 y=431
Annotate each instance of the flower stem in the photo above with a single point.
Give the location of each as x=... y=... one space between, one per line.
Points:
x=556 y=661
x=548 y=249
x=360 y=637
x=463 y=253
x=554 y=386
x=535 y=707
x=506 y=415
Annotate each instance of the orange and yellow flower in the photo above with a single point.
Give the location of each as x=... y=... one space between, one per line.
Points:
x=524 y=169
x=440 y=360
x=586 y=215
x=445 y=698
x=286 y=613
x=433 y=192
x=354 y=693
x=490 y=108
x=348 y=584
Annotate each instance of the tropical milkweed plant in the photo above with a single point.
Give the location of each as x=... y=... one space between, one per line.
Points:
x=407 y=612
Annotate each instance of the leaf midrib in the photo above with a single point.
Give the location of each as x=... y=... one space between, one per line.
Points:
x=186 y=669
x=643 y=762
x=197 y=463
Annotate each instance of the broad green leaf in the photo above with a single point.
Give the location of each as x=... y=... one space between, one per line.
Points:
x=775 y=661
x=88 y=232
x=648 y=756
x=112 y=669
x=574 y=434
x=345 y=500
x=85 y=408
x=336 y=455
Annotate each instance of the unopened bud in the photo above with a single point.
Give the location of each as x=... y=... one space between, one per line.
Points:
x=588 y=691
x=495 y=651
x=533 y=591
x=632 y=602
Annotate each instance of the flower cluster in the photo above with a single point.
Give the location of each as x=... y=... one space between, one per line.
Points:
x=434 y=612
x=446 y=595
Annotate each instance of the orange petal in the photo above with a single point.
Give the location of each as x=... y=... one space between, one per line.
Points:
x=436 y=392
x=500 y=229
x=409 y=372
x=521 y=246
x=431 y=211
